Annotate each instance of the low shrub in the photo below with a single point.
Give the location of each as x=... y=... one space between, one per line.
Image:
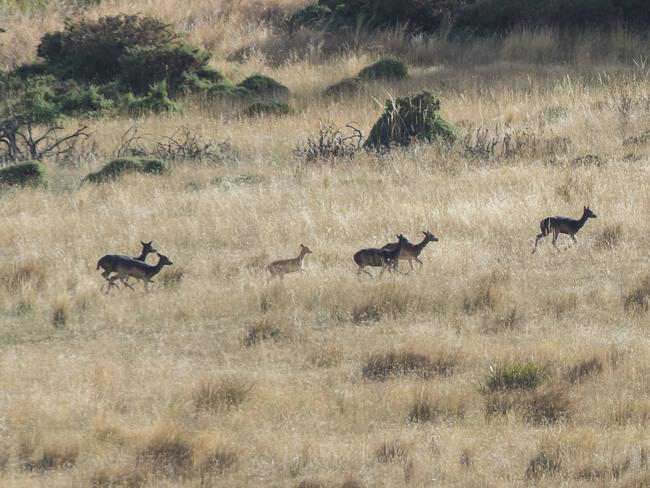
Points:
x=273 y=108
x=29 y=173
x=155 y=101
x=345 y=87
x=262 y=332
x=408 y=119
x=329 y=145
x=264 y=87
x=638 y=299
x=168 y=451
x=609 y=238
x=548 y=406
x=119 y=167
x=513 y=375
x=223 y=393
x=85 y=100
x=545 y=463
x=118 y=476
x=386 y=70
x=584 y=369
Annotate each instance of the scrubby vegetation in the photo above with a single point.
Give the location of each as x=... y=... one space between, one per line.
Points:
x=486 y=366
x=29 y=173
x=409 y=119
x=384 y=69
x=122 y=166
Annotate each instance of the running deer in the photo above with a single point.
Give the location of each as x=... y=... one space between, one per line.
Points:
x=384 y=258
x=412 y=252
x=563 y=225
x=126 y=267
x=286 y=266
x=108 y=262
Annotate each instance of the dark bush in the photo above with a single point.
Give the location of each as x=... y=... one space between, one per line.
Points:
x=273 y=108
x=264 y=87
x=345 y=87
x=385 y=69
x=119 y=167
x=406 y=362
x=417 y=15
x=29 y=173
x=143 y=66
x=408 y=119
x=92 y=50
x=499 y=16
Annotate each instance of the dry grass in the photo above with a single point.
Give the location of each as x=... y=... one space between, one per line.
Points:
x=357 y=382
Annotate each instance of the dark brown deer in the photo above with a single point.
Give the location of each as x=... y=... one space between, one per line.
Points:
x=286 y=266
x=411 y=252
x=384 y=258
x=126 y=267
x=107 y=263
x=563 y=225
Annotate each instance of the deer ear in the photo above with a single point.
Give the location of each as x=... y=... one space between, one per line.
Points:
x=142 y=243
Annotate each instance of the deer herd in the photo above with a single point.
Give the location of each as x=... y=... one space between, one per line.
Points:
x=117 y=267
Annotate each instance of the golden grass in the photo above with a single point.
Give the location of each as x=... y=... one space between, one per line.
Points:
x=220 y=377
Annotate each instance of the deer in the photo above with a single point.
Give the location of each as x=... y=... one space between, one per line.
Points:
x=376 y=257
x=126 y=267
x=563 y=225
x=107 y=263
x=411 y=252
x=285 y=266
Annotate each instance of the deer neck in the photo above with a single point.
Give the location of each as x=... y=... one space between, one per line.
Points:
x=301 y=256
x=583 y=220
x=142 y=256
x=154 y=270
x=418 y=247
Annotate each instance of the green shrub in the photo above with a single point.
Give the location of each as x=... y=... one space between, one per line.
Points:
x=225 y=91
x=273 y=108
x=155 y=101
x=411 y=118
x=119 y=167
x=385 y=69
x=264 y=87
x=345 y=87
x=84 y=100
x=514 y=375
x=29 y=173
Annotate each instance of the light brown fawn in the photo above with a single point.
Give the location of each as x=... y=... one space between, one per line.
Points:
x=125 y=267
x=286 y=266
x=108 y=262
x=387 y=259
x=411 y=252
x=563 y=225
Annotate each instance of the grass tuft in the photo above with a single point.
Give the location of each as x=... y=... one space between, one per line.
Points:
x=513 y=375
x=263 y=331
x=223 y=393
x=409 y=362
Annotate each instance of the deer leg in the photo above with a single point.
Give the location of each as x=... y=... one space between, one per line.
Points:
x=364 y=270
x=555 y=234
x=421 y=263
x=123 y=280
x=573 y=236
x=537 y=238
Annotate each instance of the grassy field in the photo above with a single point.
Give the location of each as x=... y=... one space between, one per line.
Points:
x=489 y=366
